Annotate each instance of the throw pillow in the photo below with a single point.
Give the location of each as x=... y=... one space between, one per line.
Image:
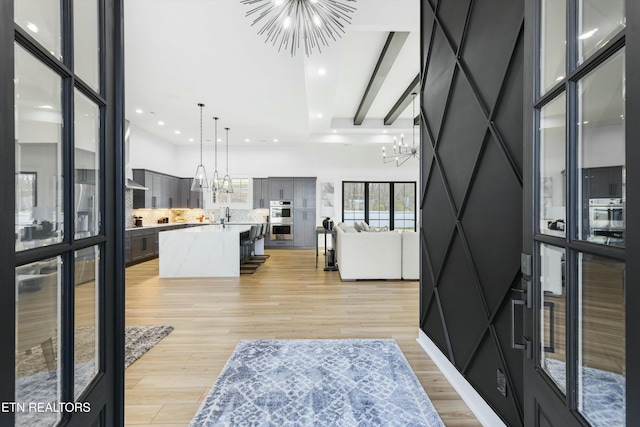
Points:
x=365 y=226
x=357 y=226
x=385 y=228
x=350 y=230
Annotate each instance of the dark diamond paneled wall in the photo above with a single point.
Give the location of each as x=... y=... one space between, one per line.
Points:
x=471 y=200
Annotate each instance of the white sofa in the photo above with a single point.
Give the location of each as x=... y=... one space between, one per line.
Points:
x=410 y=255
x=369 y=255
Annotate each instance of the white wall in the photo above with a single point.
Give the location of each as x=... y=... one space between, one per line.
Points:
x=327 y=162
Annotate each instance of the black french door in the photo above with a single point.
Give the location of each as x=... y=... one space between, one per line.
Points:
x=579 y=267
x=62 y=201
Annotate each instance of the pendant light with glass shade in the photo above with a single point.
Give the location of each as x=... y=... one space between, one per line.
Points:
x=215 y=182
x=226 y=181
x=200 y=181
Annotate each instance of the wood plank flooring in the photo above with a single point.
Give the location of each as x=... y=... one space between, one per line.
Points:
x=286 y=298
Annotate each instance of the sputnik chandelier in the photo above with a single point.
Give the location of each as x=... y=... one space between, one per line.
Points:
x=288 y=23
x=403 y=152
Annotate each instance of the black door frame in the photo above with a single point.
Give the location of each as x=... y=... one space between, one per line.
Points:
x=538 y=393
x=106 y=392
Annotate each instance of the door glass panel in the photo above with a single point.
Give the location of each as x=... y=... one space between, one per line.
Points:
x=552 y=167
x=86 y=42
x=37 y=336
x=353 y=202
x=553 y=356
x=601 y=153
x=38 y=139
x=601 y=369
x=41 y=19
x=404 y=204
x=87 y=165
x=379 y=209
x=599 y=21
x=553 y=43
x=87 y=340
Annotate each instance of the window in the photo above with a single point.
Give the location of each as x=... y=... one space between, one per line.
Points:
x=380 y=204
x=240 y=192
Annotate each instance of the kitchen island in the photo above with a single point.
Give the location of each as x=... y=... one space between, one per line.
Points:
x=207 y=251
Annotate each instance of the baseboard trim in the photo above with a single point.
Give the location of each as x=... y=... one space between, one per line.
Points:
x=480 y=408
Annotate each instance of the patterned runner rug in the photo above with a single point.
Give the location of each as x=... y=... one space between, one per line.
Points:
x=350 y=382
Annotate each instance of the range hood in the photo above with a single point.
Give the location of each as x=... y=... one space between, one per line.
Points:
x=132 y=185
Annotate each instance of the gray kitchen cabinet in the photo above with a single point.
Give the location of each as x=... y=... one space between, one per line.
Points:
x=304 y=228
x=261 y=193
x=143 y=244
x=281 y=188
x=169 y=198
x=304 y=193
x=157 y=191
x=195 y=201
x=184 y=193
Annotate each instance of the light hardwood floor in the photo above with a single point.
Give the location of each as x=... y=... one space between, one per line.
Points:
x=286 y=298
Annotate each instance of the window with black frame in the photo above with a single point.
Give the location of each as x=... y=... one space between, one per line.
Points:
x=382 y=205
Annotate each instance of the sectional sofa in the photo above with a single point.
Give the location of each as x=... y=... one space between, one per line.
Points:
x=376 y=255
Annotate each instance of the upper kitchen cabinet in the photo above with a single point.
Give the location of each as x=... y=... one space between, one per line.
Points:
x=260 y=193
x=170 y=185
x=304 y=193
x=603 y=182
x=281 y=188
x=163 y=190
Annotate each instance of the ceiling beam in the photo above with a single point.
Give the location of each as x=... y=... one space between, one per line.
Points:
x=389 y=53
x=402 y=102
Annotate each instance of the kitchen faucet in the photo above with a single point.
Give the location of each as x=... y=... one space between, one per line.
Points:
x=227 y=214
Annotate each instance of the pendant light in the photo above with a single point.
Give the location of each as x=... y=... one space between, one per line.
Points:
x=200 y=182
x=215 y=182
x=226 y=182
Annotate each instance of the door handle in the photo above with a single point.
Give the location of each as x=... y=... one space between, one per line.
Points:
x=526 y=346
x=153 y=201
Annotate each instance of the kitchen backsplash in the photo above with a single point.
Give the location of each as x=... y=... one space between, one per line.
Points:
x=151 y=216
x=239 y=215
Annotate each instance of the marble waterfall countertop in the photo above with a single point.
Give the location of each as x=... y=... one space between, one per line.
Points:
x=207 y=251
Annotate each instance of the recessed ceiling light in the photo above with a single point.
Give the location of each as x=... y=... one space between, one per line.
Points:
x=247 y=140
x=334 y=131
x=322 y=71
x=190 y=139
x=319 y=115
x=46 y=107
x=32 y=27
x=275 y=140
x=139 y=111
x=384 y=131
x=161 y=123
x=177 y=132
x=588 y=34
x=219 y=139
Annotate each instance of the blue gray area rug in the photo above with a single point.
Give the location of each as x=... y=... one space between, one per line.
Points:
x=603 y=404
x=350 y=382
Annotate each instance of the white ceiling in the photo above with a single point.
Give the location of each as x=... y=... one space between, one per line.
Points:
x=182 y=52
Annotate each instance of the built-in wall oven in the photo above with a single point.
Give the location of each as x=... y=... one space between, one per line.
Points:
x=281 y=211
x=281 y=232
x=281 y=220
x=606 y=218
